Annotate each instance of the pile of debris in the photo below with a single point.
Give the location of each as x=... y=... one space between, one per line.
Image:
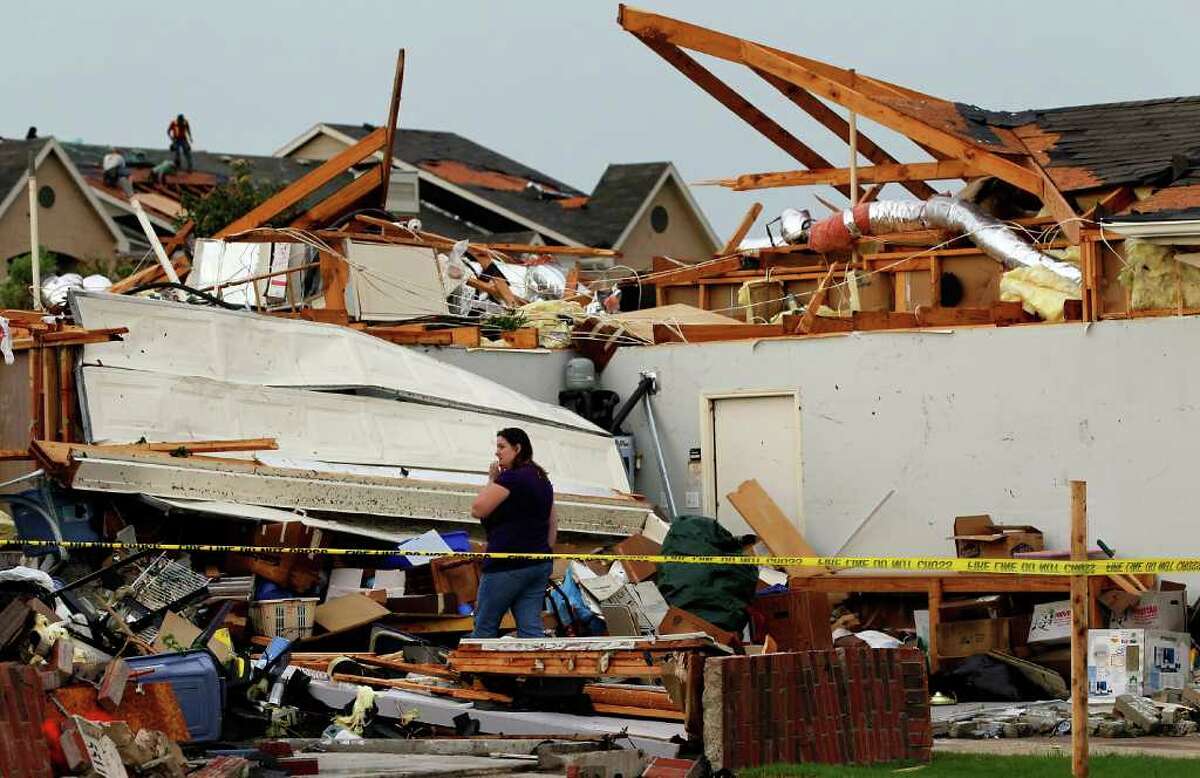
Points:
x=1130 y=715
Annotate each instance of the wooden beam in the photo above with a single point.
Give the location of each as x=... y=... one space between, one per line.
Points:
x=340 y=200
x=726 y=96
x=739 y=234
x=1117 y=200
x=1009 y=170
x=293 y=193
x=335 y=277
x=898 y=173
x=390 y=128
x=831 y=120
x=690 y=273
x=724 y=46
x=772 y=525
x=1079 y=633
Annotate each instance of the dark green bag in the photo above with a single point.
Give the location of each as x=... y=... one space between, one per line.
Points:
x=716 y=593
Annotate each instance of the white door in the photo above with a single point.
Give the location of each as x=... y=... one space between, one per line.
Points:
x=752 y=436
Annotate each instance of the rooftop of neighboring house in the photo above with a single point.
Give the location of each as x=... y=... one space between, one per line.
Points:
x=14 y=159
x=597 y=219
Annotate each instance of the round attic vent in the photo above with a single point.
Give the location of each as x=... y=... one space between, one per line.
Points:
x=659 y=219
x=45 y=196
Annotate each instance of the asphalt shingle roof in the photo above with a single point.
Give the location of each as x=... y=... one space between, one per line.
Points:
x=1153 y=142
x=621 y=190
x=14 y=159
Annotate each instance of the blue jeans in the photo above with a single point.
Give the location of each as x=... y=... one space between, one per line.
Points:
x=522 y=590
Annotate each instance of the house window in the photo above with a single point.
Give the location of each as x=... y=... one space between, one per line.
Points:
x=659 y=219
x=45 y=196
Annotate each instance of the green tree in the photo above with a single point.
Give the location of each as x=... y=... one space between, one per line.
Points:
x=14 y=291
x=226 y=202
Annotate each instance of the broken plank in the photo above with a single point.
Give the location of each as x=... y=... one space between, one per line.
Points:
x=341 y=200
x=412 y=686
x=638 y=713
x=772 y=525
x=193 y=446
x=743 y=228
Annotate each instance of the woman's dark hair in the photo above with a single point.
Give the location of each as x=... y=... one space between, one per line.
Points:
x=517 y=437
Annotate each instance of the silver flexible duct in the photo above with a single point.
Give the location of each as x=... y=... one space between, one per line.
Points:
x=993 y=237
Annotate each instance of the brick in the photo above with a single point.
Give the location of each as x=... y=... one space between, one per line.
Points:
x=12 y=621
x=62 y=657
x=112 y=685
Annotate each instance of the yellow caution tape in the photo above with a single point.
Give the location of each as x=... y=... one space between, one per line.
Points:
x=875 y=564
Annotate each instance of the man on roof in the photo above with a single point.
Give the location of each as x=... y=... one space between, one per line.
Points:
x=180 y=133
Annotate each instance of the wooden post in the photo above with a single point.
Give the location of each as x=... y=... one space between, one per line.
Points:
x=1079 y=633
x=66 y=392
x=935 y=618
x=35 y=259
x=393 y=112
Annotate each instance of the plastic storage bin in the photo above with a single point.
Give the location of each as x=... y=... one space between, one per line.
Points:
x=195 y=677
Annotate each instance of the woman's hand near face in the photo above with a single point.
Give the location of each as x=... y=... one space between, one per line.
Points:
x=494 y=470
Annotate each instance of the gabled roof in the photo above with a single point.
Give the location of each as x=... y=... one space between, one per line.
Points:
x=528 y=196
x=618 y=199
x=14 y=167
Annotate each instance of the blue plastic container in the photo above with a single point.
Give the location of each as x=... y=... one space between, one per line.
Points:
x=196 y=680
x=457 y=540
x=76 y=519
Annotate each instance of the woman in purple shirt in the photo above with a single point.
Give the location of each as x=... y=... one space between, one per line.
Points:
x=516 y=508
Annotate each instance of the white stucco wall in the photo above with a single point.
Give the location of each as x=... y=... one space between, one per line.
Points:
x=536 y=374
x=979 y=420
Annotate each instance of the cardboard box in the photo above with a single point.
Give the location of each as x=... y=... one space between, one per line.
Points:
x=1051 y=624
x=1163 y=611
x=680 y=622
x=637 y=572
x=957 y=639
x=977 y=537
x=457 y=576
x=1135 y=661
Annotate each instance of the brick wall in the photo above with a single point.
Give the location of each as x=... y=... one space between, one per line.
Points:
x=23 y=751
x=838 y=706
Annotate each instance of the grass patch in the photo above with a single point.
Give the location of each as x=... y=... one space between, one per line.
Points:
x=988 y=766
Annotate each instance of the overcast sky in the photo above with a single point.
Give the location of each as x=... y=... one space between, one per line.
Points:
x=558 y=85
